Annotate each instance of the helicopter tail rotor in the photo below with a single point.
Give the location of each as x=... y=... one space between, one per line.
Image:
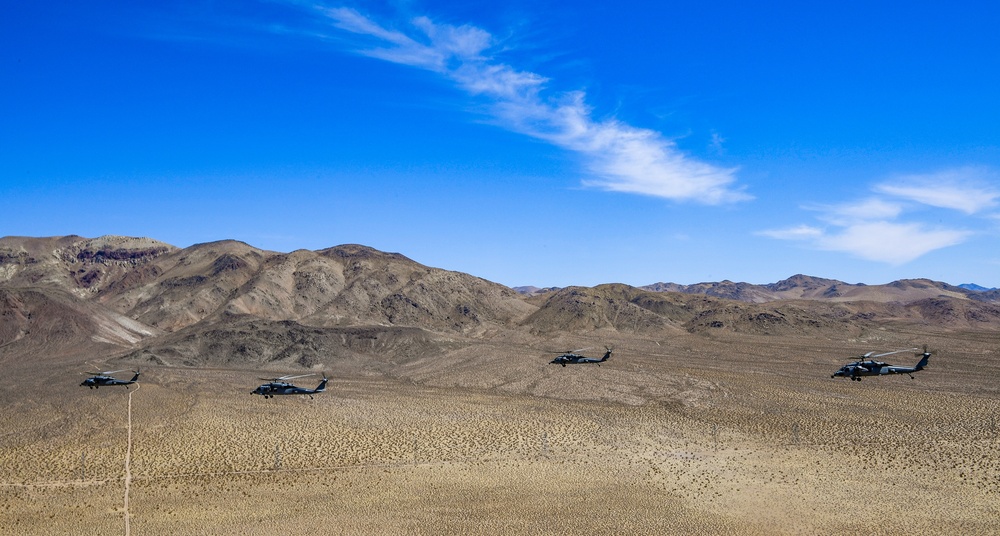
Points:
x=322 y=385
x=924 y=358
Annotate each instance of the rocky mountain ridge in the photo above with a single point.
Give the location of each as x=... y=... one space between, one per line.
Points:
x=803 y=287
x=229 y=303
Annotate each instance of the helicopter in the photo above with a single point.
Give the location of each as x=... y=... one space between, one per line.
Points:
x=280 y=386
x=868 y=366
x=104 y=378
x=572 y=358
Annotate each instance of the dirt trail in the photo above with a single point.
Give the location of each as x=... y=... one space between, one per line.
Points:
x=128 y=460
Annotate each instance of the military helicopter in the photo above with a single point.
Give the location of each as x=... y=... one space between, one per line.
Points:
x=104 y=378
x=572 y=358
x=868 y=366
x=280 y=386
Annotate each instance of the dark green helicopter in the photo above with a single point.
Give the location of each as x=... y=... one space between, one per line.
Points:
x=104 y=378
x=280 y=386
x=572 y=358
x=868 y=366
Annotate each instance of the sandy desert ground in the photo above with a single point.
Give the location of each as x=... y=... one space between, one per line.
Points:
x=734 y=434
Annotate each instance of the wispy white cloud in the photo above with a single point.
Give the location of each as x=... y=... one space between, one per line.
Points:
x=965 y=189
x=799 y=232
x=441 y=43
x=890 y=242
x=868 y=228
x=869 y=209
x=877 y=240
x=619 y=157
x=717 y=143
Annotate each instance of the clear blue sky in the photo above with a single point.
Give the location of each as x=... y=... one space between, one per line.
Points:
x=540 y=142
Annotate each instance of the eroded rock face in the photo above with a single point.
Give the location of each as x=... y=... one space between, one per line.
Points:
x=13 y=317
x=110 y=249
x=79 y=265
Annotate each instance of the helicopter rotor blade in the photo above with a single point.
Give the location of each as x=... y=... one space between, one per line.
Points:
x=566 y=351
x=302 y=376
x=897 y=352
x=287 y=377
x=294 y=377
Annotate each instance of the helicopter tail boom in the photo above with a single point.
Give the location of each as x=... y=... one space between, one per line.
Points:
x=322 y=386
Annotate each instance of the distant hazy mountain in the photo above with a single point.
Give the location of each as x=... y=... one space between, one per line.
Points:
x=975 y=288
x=803 y=287
x=533 y=291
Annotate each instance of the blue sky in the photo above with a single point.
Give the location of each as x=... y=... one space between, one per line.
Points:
x=530 y=143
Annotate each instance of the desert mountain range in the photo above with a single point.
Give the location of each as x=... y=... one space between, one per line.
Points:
x=228 y=303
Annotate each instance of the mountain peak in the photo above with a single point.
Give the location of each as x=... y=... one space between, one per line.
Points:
x=359 y=252
x=975 y=288
x=802 y=281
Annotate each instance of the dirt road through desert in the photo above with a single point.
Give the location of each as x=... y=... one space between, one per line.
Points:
x=128 y=460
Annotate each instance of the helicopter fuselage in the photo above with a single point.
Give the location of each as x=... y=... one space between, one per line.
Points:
x=270 y=389
x=859 y=369
x=577 y=359
x=95 y=382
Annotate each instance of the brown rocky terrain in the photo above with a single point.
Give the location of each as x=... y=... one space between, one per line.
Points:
x=815 y=288
x=716 y=414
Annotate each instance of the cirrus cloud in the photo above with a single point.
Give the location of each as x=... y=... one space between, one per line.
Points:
x=964 y=189
x=889 y=242
x=869 y=229
x=618 y=157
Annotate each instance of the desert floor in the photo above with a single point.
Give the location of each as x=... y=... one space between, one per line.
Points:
x=733 y=434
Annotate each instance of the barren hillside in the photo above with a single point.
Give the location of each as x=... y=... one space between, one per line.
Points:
x=353 y=307
x=443 y=415
x=803 y=287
